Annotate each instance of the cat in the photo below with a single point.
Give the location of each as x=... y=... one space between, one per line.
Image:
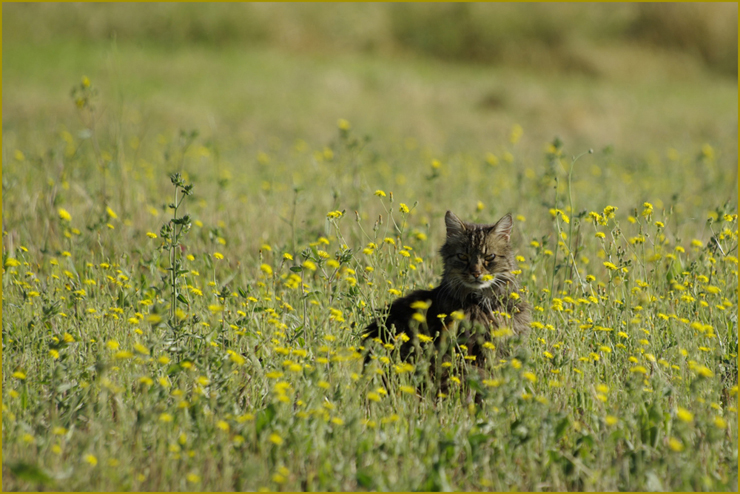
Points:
x=477 y=282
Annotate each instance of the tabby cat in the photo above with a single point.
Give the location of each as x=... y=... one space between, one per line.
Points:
x=477 y=282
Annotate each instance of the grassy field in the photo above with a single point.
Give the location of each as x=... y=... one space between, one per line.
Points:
x=218 y=345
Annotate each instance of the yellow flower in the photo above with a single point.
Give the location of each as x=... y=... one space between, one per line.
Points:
x=459 y=315
x=529 y=376
x=11 y=262
x=236 y=358
x=404 y=208
x=287 y=257
x=610 y=265
x=675 y=444
x=64 y=215
x=141 y=349
x=502 y=333
x=379 y=193
x=704 y=371
x=111 y=213
x=420 y=305
x=684 y=415
x=276 y=439
x=123 y=355
x=154 y=318
x=91 y=459
x=266 y=269
x=720 y=423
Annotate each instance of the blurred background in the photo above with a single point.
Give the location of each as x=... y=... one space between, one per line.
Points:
x=577 y=69
x=484 y=88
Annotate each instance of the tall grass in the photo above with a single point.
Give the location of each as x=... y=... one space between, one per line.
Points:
x=230 y=357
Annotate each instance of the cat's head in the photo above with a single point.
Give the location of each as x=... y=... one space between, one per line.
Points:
x=477 y=256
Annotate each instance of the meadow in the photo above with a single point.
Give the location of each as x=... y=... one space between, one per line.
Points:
x=195 y=237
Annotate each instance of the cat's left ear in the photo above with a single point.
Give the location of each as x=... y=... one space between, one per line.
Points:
x=502 y=227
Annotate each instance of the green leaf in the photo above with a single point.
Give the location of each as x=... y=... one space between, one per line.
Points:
x=476 y=440
x=561 y=428
x=30 y=473
x=173 y=369
x=296 y=269
x=264 y=417
x=365 y=480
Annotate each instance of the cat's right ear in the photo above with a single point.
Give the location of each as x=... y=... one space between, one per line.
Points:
x=455 y=226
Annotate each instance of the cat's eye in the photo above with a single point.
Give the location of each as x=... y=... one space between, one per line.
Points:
x=462 y=257
x=490 y=257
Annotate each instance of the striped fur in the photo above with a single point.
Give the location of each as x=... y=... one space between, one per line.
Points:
x=477 y=281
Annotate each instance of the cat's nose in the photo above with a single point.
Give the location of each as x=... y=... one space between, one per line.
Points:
x=475 y=273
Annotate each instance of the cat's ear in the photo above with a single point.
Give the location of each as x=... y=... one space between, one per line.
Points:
x=502 y=227
x=455 y=225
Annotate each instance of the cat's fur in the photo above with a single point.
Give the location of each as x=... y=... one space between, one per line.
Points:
x=477 y=281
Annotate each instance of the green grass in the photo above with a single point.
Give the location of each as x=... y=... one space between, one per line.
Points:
x=628 y=379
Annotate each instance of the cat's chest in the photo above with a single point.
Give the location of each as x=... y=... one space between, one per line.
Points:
x=486 y=312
